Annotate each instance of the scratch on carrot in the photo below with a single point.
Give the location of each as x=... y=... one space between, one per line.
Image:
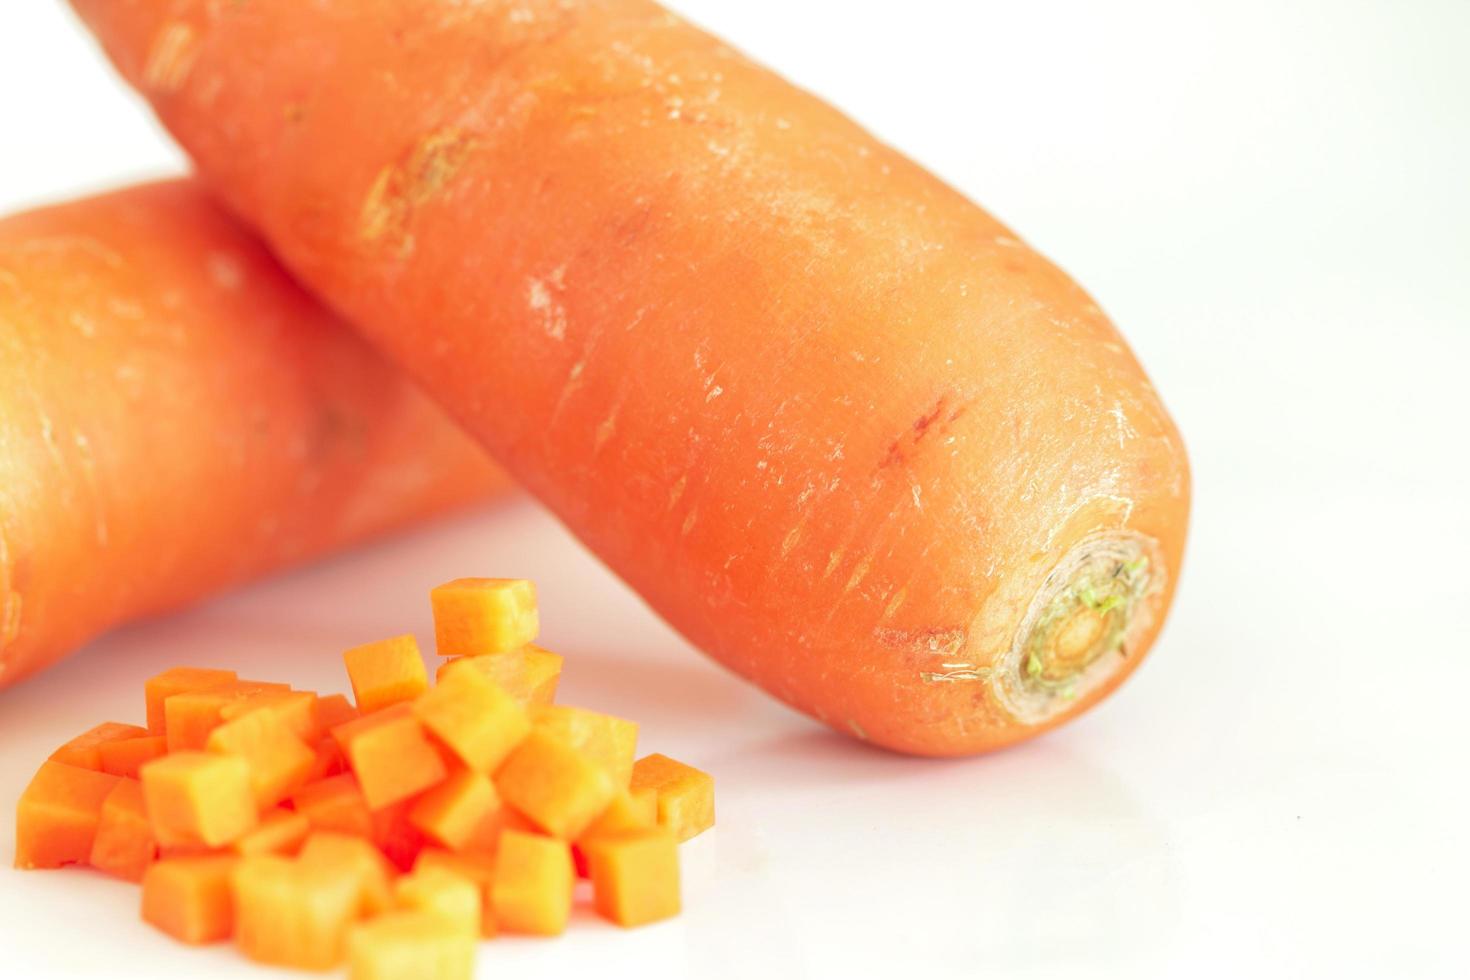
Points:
x=171 y=57
x=832 y=562
x=678 y=490
x=859 y=573
x=789 y=542
x=417 y=177
x=689 y=522
x=894 y=603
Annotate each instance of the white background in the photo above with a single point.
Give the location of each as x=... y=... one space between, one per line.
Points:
x=1271 y=199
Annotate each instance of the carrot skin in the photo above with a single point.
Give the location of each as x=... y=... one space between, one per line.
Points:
x=176 y=416
x=836 y=423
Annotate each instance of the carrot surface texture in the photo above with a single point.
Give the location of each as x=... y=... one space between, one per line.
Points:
x=448 y=813
x=837 y=424
x=178 y=416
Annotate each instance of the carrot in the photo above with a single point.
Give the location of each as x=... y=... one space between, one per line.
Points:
x=199 y=797
x=529 y=675
x=635 y=875
x=532 y=892
x=558 y=788
x=57 y=817
x=85 y=751
x=410 y=944
x=833 y=421
x=124 y=845
x=386 y=672
x=391 y=755
x=178 y=417
x=685 y=796
x=189 y=897
x=455 y=897
x=126 y=755
x=473 y=716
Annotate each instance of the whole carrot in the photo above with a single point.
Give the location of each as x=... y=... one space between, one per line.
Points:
x=176 y=416
x=835 y=422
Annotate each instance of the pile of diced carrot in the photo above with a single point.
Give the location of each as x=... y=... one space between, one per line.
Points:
x=391 y=831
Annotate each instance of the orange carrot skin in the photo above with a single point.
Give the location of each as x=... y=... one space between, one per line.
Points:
x=832 y=420
x=177 y=416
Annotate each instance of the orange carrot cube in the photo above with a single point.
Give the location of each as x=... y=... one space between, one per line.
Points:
x=85 y=751
x=451 y=812
x=395 y=834
x=188 y=718
x=532 y=892
x=280 y=831
x=124 y=845
x=635 y=875
x=328 y=760
x=199 y=796
x=189 y=898
x=453 y=896
x=386 y=672
x=390 y=755
x=334 y=710
x=57 y=816
x=296 y=709
x=473 y=716
x=335 y=804
x=628 y=811
x=410 y=945
x=293 y=913
x=357 y=858
x=126 y=755
x=478 y=868
x=605 y=739
x=529 y=675
x=179 y=680
x=279 y=762
x=474 y=616
x=686 y=796
x=554 y=785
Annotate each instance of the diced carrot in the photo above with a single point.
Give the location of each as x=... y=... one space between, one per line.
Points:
x=124 y=845
x=686 y=796
x=390 y=755
x=627 y=811
x=293 y=913
x=605 y=739
x=328 y=760
x=123 y=757
x=57 y=816
x=529 y=674
x=635 y=875
x=474 y=616
x=451 y=812
x=179 y=680
x=280 y=831
x=478 y=868
x=410 y=945
x=335 y=804
x=532 y=892
x=200 y=796
x=189 y=897
x=396 y=836
x=356 y=857
x=84 y=751
x=386 y=672
x=279 y=761
x=453 y=896
x=297 y=709
x=334 y=710
x=557 y=787
x=188 y=718
x=473 y=716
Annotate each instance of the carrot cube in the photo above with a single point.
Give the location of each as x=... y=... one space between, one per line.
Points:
x=334 y=710
x=179 y=680
x=478 y=868
x=279 y=762
x=188 y=718
x=57 y=816
x=410 y=945
x=473 y=716
x=610 y=741
x=293 y=913
x=391 y=756
x=126 y=755
x=335 y=804
x=189 y=898
x=474 y=616
x=686 y=796
x=386 y=672
x=124 y=845
x=199 y=796
x=280 y=831
x=396 y=836
x=453 y=896
x=296 y=709
x=628 y=811
x=635 y=876
x=532 y=892
x=357 y=858
x=529 y=674
x=329 y=761
x=85 y=751
x=554 y=785
x=451 y=812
